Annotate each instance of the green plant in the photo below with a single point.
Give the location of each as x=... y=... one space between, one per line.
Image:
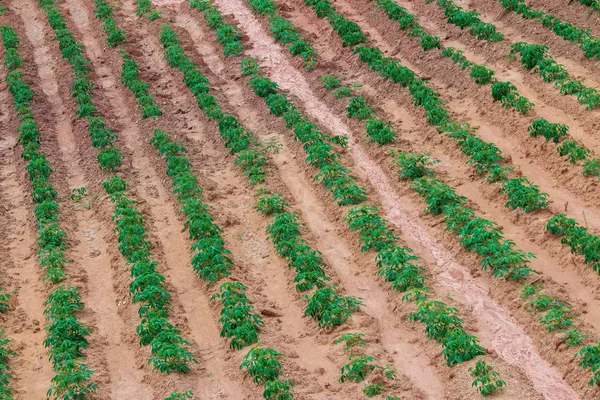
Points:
x=357 y=369
x=351 y=340
x=590 y=359
x=262 y=364
x=77 y=194
x=373 y=389
x=482 y=75
x=413 y=165
x=524 y=194
x=177 y=395
x=331 y=81
x=573 y=151
x=328 y=308
x=550 y=131
x=486 y=379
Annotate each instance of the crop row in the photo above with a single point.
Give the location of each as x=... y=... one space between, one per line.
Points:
x=485 y=157
x=144 y=7
x=325 y=305
x=168 y=352
x=280 y=28
x=211 y=260
x=104 y=11
x=469 y=19
x=486 y=239
x=593 y=4
x=536 y=57
x=66 y=336
x=228 y=36
x=589 y=44
x=533 y=57
x=505 y=92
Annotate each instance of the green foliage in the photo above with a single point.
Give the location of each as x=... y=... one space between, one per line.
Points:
x=326 y=306
x=359 y=108
x=104 y=11
x=66 y=342
x=524 y=194
x=380 y=132
x=342 y=92
x=154 y=15
x=573 y=151
x=177 y=395
x=331 y=81
x=250 y=67
x=481 y=74
x=457 y=56
x=357 y=369
x=237 y=318
x=77 y=194
x=271 y=204
x=590 y=359
x=589 y=44
x=351 y=340
x=228 y=36
x=262 y=364
x=284 y=32
x=408 y=21
x=591 y=167
x=413 y=165
x=143 y=8
x=130 y=77
x=278 y=390
x=507 y=93
x=577 y=238
x=486 y=379
x=456 y=15
x=550 y=131
x=373 y=389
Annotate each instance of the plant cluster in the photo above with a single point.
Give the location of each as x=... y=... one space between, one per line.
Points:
x=535 y=57
x=66 y=341
x=378 y=131
x=5 y=376
x=360 y=366
x=227 y=35
x=486 y=379
x=457 y=57
x=456 y=15
x=263 y=366
x=523 y=194
x=550 y=131
x=102 y=137
x=104 y=11
x=177 y=395
x=593 y=4
x=476 y=234
x=168 y=348
x=590 y=359
x=577 y=238
x=144 y=7
x=237 y=139
x=508 y=96
x=237 y=318
x=130 y=77
x=556 y=315
x=408 y=21
x=589 y=44
x=283 y=31
x=324 y=304
x=333 y=175
x=211 y=260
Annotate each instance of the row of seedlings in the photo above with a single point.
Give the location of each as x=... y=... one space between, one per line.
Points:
x=211 y=260
x=457 y=344
x=498 y=254
x=593 y=4
x=148 y=289
x=589 y=44
x=325 y=304
x=66 y=335
x=229 y=36
x=483 y=236
x=396 y=264
x=281 y=28
x=534 y=57
x=485 y=157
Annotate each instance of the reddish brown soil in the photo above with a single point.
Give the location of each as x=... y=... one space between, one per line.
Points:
x=525 y=355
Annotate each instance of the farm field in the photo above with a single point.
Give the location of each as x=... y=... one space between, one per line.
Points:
x=299 y=199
